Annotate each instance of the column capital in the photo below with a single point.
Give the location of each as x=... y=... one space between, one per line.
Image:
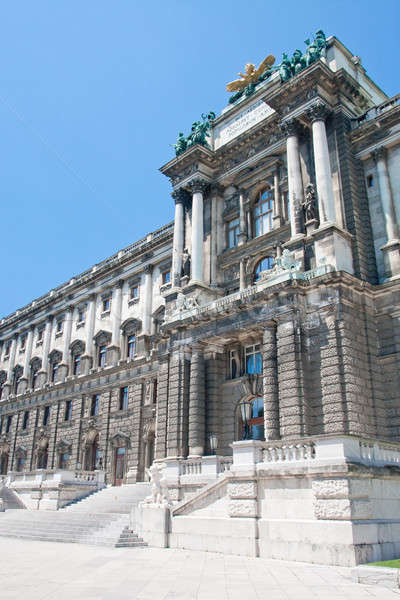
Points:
x=49 y=318
x=216 y=189
x=120 y=283
x=180 y=196
x=379 y=153
x=318 y=112
x=148 y=269
x=290 y=127
x=198 y=185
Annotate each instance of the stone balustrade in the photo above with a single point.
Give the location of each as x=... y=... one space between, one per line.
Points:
x=289 y=452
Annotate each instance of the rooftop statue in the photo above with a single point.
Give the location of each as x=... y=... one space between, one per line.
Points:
x=249 y=79
x=246 y=85
x=198 y=135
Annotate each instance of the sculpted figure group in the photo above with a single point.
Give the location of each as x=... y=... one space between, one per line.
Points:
x=315 y=50
x=198 y=135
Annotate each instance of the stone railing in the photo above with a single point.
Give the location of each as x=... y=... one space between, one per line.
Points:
x=289 y=452
x=205 y=467
x=318 y=450
x=59 y=476
x=376 y=111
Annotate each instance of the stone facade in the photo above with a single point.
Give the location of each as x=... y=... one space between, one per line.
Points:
x=277 y=284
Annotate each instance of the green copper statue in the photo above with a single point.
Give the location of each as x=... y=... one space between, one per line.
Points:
x=198 y=134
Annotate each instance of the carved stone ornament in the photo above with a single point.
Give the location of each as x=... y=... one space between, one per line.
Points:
x=4 y=445
x=185 y=303
x=159 y=488
x=318 y=112
x=90 y=437
x=290 y=127
x=252 y=385
x=42 y=444
x=181 y=196
x=149 y=429
x=310 y=203
x=21 y=452
x=198 y=185
x=120 y=439
x=379 y=154
x=286 y=262
x=64 y=447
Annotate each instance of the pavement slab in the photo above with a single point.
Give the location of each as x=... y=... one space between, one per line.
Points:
x=47 y=570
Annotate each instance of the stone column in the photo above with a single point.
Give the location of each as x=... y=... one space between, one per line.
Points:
x=277 y=200
x=160 y=450
x=198 y=187
x=44 y=371
x=28 y=354
x=114 y=350
x=242 y=219
x=148 y=299
x=323 y=175
x=217 y=229
x=242 y=274
x=291 y=397
x=87 y=359
x=295 y=182
x=11 y=364
x=197 y=403
x=178 y=400
x=391 y=250
x=179 y=235
x=64 y=368
x=270 y=381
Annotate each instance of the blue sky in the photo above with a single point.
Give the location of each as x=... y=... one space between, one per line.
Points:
x=94 y=92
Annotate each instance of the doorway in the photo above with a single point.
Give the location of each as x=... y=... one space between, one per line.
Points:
x=119 y=469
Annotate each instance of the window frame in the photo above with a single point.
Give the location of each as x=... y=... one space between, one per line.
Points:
x=123 y=397
x=235 y=230
x=68 y=410
x=254 y=354
x=264 y=215
x=94 y=405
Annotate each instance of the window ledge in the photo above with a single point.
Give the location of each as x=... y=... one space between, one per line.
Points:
x=133 y=301
x=80 y=324
x=165 y=286
x=105 y=313
x=59 y=334
x=39 y=343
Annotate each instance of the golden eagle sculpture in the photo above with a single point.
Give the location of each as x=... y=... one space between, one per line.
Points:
x=251 y=74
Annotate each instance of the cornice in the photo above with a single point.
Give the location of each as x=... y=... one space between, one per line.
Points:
x=65 y=290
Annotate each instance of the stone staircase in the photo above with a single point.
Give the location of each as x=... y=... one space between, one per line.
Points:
x=102 y=519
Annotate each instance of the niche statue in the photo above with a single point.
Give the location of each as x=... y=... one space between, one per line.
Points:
x=185 y=271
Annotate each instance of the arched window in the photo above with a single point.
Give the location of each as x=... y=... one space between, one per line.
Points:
x=265 y=264
x=263 y=212
x=35 y=366
x=254 y=428
x=129 y=329
x=102 y=339
x=77 y=349
x=54 y=360
x=17 y=374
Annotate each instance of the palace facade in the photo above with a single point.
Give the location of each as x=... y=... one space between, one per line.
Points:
x=276 y=286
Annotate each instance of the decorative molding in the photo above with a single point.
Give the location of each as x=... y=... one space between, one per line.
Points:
x=318 y=112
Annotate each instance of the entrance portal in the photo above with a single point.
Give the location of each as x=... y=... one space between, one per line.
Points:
x=119 y=469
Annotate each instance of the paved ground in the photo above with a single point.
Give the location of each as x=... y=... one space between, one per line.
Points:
x=43 y=570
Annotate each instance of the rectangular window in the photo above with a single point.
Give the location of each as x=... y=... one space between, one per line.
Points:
x=81 y=315
x=59 y=326
x=23 y=343
x=123 y=398
x=232 y=229
x=9 y=421
x=40 y=335
x=68 y=410
x=94 y=406
x=134 y=292
x=253 y=359
x=46 y=415
x=25 y=421
x=107 y=304
x=102 y=356
x=54 y=371
x=63 y=461
x=234 y=364
x=166 y=276
x=264 y=212
x=8 y=349
x=131 y=351
x=77 y=364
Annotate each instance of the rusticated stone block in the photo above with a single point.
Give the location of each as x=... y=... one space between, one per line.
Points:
x=243 y=508
x=243 y=489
